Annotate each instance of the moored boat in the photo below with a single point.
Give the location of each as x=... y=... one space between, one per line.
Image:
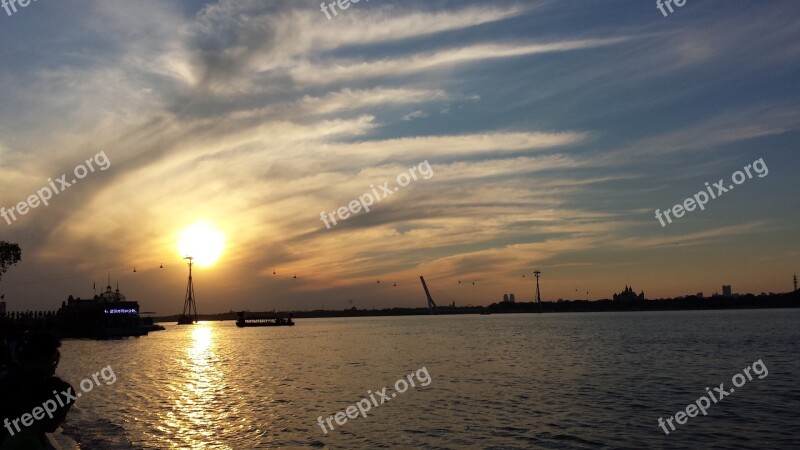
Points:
x=108 y=315
x=264 y=321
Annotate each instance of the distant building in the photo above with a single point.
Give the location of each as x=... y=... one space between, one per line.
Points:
x=726 y=290
x=628 y=295
x=508 y=298
x=700 y=295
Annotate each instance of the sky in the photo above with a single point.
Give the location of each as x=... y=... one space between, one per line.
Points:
x=548 y=133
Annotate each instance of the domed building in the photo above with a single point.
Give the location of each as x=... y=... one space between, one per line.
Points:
x=628 y=295
x=110 y=296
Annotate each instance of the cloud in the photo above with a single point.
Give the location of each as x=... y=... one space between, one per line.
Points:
x=693 y=238
x=415 y=115
x=723 y=129
x=240 y=39
x=351 y=70
x=258 y=115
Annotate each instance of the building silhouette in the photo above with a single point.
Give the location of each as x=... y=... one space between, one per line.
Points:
x=628 y=294
x=726 y=290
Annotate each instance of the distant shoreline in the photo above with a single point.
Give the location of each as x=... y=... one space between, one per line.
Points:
x=691 y=303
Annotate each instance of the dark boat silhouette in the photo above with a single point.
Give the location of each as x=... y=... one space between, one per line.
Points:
x=183 y=319
x=108 y=315
x=264 y=322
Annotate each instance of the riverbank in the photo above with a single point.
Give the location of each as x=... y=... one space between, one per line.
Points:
x=691 y=303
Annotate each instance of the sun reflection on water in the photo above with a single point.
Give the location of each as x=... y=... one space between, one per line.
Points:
x=202 y=339
x=196 y=411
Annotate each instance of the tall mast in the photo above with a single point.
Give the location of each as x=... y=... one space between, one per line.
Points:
x=189 y=315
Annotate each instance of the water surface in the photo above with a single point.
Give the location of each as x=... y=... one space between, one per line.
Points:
x=553 y=381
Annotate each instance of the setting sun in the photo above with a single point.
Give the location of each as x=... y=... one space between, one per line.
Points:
x=202 y=241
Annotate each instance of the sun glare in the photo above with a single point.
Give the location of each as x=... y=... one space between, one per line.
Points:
x=202 y=241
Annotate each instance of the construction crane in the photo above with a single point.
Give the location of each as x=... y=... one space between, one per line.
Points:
x=431 y=303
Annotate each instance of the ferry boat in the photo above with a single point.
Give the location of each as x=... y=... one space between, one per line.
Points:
x=106 y=316
x=264 y=322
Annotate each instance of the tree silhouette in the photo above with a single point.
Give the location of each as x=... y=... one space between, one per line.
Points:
x=10 y=254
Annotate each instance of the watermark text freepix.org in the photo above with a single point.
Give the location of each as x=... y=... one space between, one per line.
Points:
x=11 y=5
x=342 y=4
x=702 y=198
x=46 y=193
x=703 y=403
x=367 y=200
x=50 y=406
x=365 y=404
x=668 y=4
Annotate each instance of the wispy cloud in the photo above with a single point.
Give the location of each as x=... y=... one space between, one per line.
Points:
x=415 y=115
x=353 y=70
x=550 y=138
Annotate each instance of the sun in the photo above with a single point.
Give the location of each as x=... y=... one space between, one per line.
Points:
x=202 y=241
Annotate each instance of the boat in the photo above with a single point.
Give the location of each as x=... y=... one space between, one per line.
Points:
x=264 y=322
x=183 y=319
x=148 y=324
x=108 y=315
x=150 y=327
